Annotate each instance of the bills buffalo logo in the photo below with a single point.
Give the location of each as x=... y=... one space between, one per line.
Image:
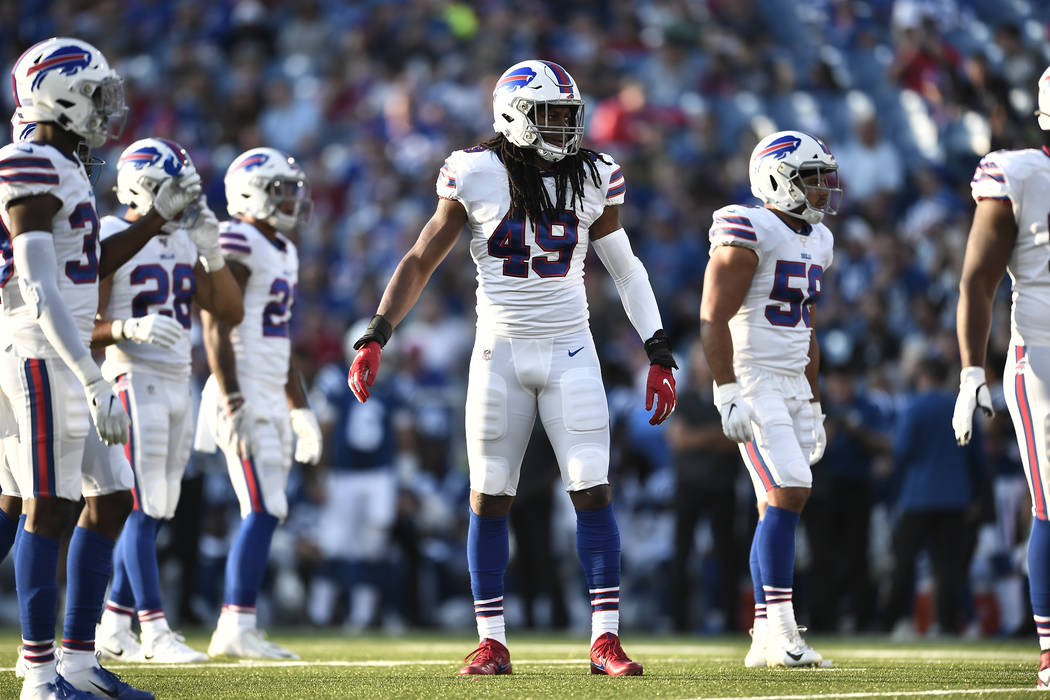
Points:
x=149 y=155
x=518 y=78
x=251 y=162
x=781 y=147
x=66 y=60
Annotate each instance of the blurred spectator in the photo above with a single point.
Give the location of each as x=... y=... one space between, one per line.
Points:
x=871 y=167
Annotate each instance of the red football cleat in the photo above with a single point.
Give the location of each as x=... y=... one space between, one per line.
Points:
x=1043 y=681
x=608 y=657
x=490 y=659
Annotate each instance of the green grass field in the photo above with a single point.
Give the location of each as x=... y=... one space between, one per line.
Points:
x=424 y=666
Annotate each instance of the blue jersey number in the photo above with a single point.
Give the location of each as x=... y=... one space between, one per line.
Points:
x=554 y=235
x=797 y=301
x=84 y=216
x=278 y=312
x=181 y=287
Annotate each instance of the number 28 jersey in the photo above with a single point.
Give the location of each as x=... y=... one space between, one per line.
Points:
x=158 y=279
x=261 y=343
x=771 y=330
x=530 y=277
x=29 y=169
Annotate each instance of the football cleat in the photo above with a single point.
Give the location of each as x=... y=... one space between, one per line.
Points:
x=170 y=648
x=756 y=655
x=608 y=657
x=117 y=644
x=490 y=659
x=791 y=650
x=246 y=644
x=104 y=684
x=1043 y=677
x=58 y=689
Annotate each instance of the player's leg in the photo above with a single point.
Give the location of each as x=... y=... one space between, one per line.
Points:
x=756 y=655
x=500 y=413
x=1025 y=387
x=10 y=497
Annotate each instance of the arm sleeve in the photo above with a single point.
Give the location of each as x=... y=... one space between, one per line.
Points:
x=35 y=260
x=632 y=282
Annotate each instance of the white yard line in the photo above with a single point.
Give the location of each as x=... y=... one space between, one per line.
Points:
x=884 y=694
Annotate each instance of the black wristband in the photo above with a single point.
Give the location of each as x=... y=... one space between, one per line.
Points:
x=658 y=348
x=379 y=330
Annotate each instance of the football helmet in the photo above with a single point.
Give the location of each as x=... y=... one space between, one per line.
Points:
x=21 y=130
x=778 y=165
x=268 y=185
x=521 y=109
x=69 y=82
x=146 y=165
x=1044 y=101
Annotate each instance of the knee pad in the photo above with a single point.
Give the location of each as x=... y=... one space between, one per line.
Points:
x=586 y=466
x=490 y=474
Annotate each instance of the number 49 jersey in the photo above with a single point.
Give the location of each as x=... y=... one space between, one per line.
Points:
x=1022 y=178
x=262 y=342
x=158 y=279
x=771 y=331
x=28 y=169
x=530 y=275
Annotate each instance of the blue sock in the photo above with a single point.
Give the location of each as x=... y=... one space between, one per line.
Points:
x=1039 y=579
x=120 y=591
x=756 y=575
x=488 y=551
x=36 y=571
x=598 y=546
x=776 y=550
x=246 y=563
x=18 y=533
x=89 y=565
x=138 y=552
x=8 y=530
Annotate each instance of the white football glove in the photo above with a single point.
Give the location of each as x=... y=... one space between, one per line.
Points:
x=234 y=429
x=820 y=436
x=736 y=416
x=155 y=328
x=307 y=436
x=107 y=412
x=973 y=394
x=205 y=235
x=175 y=194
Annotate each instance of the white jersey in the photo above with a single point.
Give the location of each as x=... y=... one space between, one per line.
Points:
x=1023 y=179
x=28 y=169
x=771 y=330
x=530 y=278
x=261 y=342
x=158 y=279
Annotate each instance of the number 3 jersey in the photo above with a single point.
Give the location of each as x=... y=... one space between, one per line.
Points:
x=1022 y=178
x=530 y=278
x=262 y=342
x=158 y=279
x=29 y=169
x=771 y=330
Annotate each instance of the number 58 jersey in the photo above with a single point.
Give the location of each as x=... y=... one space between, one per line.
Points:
x=29 y=169
x=771 y=330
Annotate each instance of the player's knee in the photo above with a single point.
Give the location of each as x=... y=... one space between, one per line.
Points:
x=586 y=466
x=489 y=506
x=594 y=498
x=792 y=498
x=106 y=514
x=491 y=475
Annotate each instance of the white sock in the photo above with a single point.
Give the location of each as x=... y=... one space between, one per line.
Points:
x=117 y=617
x=237 y=617
x=760 y=629
x=153 y=623
x=74 y=660
x=40 y=674
x=491 y=626
x=781 y=619
x=605 y=611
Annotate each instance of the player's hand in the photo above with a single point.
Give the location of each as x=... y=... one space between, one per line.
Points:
x=177 y=193
x=235 y=425
x=736 y=416
x=820 y=436
x=155 y=328
x=363 y=370
x=659 y=389
x=973 y=394
x=107 y=412
x=307 y=436
x=205 y=235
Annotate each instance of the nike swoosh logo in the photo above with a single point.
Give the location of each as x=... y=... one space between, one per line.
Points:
x=148 y=657
x=108 y=693
x=572 y=353
x=796 y=657
x=110 y=651
x=600 y=667
x=669 y=385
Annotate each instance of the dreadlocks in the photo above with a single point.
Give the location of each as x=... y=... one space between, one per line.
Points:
x=528 y=195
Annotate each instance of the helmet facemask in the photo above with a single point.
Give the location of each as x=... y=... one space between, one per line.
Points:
x=290 y=202
x=826 y=188
x=552 y=141
x=108 y=114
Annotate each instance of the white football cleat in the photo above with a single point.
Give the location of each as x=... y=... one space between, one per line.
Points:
x=756 y=655
x=791 y=650
x=170 y=648
x=117 y=644
x=246 y=644
x=58 y=689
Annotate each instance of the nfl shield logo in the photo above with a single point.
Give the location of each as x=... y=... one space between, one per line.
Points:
x=486 y=354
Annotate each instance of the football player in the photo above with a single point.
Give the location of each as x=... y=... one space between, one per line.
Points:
x=144 y=324
x=1010 y=234
x=757 y=319
x=254 y=400
x=534 y=201
x=52 y=260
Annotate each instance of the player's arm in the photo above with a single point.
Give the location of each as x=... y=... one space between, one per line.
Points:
x=157 y=328
x=636 y=294
x=813 y=366
x=219 y=293
x=217 y=343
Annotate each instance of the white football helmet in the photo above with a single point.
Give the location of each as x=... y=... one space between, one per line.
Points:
x=21 y=130
x=269 y=186
x=146 y=165
x=1044 y=101
x=69 y=82
x=778 y=164
x=521 y=106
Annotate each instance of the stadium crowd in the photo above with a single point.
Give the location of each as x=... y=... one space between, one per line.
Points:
x=371 y=96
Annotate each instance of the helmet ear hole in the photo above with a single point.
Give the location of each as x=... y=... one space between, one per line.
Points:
x=773 y=183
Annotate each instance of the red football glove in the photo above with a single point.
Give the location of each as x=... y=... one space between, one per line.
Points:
x=660 y=385
x=364 y=369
